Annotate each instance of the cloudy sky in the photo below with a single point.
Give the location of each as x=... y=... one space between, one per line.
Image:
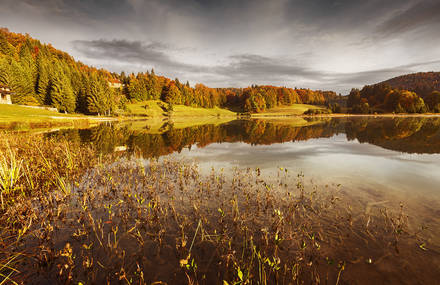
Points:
x=319 y=44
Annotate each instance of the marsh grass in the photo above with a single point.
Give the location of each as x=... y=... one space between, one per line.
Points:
x=10 y=173
x=133 y=221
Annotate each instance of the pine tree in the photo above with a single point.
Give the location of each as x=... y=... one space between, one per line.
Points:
x=21 y=82
x=5 y=71
x=100 y=99
x=61 y=94
x=43 y=81
x=82 y=94
x=94 y=96
x=5 y=47
x=28 y=62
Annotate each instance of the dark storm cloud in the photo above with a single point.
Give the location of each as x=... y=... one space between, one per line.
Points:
x=259 y=67
x=85 y=9
x=378 y=75
x=327 y=44
x=241 y=66
x=248 y=68
x=154 y=54
x=123 y=50
x=424 y=14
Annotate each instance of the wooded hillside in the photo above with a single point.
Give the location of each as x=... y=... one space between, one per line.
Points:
x=422 y=83
x=412 y=93
x=39 y=74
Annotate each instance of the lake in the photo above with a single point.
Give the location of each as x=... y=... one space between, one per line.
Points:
x=385 y=170
x=382 y=160
x=393 y=155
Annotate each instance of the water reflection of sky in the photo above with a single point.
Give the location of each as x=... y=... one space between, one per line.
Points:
x=332 y=159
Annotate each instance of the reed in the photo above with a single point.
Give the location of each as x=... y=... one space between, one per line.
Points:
x=10 y=173
x=124 y=219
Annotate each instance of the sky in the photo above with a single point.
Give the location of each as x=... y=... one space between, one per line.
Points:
x=318 y=44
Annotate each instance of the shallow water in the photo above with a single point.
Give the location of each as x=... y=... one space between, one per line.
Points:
x=399 y=155
x=378 y=159
x=373 y=164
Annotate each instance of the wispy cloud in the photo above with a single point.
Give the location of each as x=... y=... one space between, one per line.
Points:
x=421 y=15
x=239 y=69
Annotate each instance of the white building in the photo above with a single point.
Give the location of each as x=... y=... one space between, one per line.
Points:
x=115 y=83
x=5 y=95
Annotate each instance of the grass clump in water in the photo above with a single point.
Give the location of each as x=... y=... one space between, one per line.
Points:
x=134 y=221
x=10 y=173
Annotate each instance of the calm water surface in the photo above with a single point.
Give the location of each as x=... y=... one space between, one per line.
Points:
x=369 y=163
x=375 y=158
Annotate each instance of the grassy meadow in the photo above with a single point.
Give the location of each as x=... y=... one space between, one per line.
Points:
x=282 y=111
x=21 y=117
x=157 y=108
x=155 y=111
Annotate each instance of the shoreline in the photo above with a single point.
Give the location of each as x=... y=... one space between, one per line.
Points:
x=78 y=120
x=348 y=115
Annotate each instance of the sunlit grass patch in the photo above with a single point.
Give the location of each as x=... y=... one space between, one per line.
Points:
x=293 y=110
x=158 y=109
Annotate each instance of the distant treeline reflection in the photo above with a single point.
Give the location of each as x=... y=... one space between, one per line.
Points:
x=410 y=135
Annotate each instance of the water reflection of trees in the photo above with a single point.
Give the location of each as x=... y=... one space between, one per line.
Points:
x=412 y=135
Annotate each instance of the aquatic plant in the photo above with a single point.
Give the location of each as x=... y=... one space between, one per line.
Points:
x=10 y=173
x=136 y=221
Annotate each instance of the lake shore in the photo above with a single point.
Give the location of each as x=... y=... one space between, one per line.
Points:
x=271 y=116
x=17 y=117
x=29 y=117
x=425 y=115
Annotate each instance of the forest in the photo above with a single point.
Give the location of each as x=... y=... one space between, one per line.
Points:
x=39 y=74
x=422 y=83
x=382 y=98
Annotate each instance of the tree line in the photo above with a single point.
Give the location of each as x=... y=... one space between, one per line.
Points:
x=254 y=99
x=39 y=74
x=383 y=98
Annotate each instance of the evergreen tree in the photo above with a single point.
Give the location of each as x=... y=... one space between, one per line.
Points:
x=43 y=81
x=100 y=99
x=5 y=71
x=5 y=47
x=61 y=94
x=21 y=81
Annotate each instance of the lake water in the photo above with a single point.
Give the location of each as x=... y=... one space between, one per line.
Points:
x=387 y=160
x=396 y=154
x=375 y=166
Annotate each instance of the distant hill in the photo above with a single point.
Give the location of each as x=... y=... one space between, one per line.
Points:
x=411 y=93
x=422 y=83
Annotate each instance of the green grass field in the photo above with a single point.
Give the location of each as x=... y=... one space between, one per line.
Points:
x=293 y=110
x=152 y=109
x=185 y=111
x=22 y=118
x=14 y=113
x=149 y=108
